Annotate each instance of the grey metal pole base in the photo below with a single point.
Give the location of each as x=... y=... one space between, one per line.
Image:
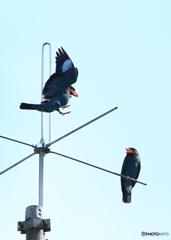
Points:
x=35 y=234
x=34 y=225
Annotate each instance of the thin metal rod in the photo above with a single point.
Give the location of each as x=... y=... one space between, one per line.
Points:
x=18 y=141
x=17 y=163
x=42 y=84
x=41 y=176
x=113 y=109
x=120 y=175
x=49 y=75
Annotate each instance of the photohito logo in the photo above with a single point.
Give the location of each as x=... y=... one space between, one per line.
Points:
x=154 y=234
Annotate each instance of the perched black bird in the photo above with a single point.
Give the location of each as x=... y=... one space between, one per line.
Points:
x=57 y=90
x=131 y=169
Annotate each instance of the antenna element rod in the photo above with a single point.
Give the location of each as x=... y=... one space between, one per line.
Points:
x=120 y=175
x=17 y=141
x=42 y=84
x=93 y=120
x=17 y=163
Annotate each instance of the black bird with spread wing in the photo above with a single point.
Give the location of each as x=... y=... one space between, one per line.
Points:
x=131 y=169
x=57 y=90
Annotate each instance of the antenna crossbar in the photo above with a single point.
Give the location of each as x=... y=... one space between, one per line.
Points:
x=14 y=165
x=84 y=125
x=14 y=140
x=91 y=165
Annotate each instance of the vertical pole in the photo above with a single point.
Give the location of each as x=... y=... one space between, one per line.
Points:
x=42 y=143
x=34 y=225
x=42 y=84
x=49 y=75
x=35 y=234
x=41 y=176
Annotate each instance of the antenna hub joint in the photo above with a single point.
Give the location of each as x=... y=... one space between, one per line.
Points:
x=41 y=147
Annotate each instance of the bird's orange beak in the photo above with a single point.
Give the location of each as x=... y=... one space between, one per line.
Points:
x=128 y=150
x=74 y=93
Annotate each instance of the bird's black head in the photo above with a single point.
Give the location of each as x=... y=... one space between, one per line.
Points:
x=132 y=151
x=73 y=92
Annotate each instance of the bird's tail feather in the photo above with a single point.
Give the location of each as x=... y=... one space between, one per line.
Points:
x=29 y=106
x=126 y=196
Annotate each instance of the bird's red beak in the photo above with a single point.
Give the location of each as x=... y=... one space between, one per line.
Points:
x=74 y=93
x=128 y=150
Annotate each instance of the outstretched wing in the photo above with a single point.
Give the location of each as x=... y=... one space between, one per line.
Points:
x=63 y=62
x=66 y=75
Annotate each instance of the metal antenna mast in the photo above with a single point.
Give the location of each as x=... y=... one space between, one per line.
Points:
x=35 y=225
x=42 y=84
x=42 y=144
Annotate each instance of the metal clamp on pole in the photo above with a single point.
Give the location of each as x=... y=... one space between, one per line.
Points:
x=41 y=147
x=34 y=225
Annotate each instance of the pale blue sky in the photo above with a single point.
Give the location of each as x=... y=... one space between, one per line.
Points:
x=122 y=50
